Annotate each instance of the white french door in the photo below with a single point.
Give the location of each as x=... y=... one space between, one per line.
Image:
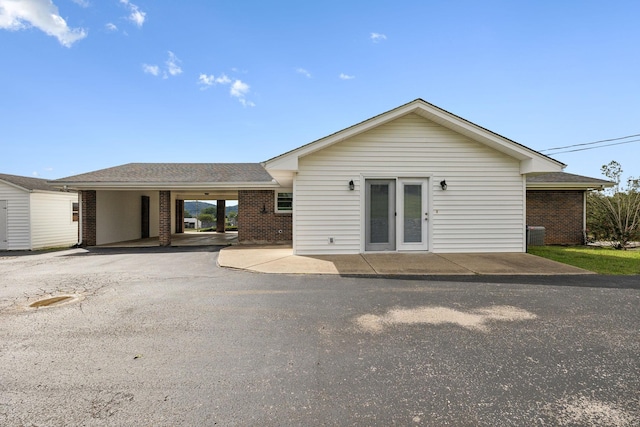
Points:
x=413 y=214
x=396 y=214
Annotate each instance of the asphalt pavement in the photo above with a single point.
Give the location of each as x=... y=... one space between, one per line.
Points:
x=165 y=337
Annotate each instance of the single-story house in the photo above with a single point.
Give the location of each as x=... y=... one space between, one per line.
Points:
x=415 y=178
x=34 y=214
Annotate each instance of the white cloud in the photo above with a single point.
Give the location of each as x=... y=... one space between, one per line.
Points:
x=83 y=3
x=35 y=173
x=210 y=80
x=246 y=103
x=223 y=79
x=303 y=72
x=344 y=76
x=240 y=89
x=42 y=14
x=172 y=64
x=110 y=26
x=377 y=37
x=136 y=16
x=151 y=69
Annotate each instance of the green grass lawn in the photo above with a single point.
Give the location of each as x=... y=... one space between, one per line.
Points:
x=599 y=260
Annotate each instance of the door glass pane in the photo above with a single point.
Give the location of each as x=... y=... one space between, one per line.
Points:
x=412 y=213
x=379 y=218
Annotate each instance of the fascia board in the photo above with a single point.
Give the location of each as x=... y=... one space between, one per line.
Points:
x=567 y=186
x=166 y=185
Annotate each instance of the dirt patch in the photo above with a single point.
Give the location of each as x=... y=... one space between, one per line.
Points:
x=592 y=412
x=474 y=319
x=50 y=301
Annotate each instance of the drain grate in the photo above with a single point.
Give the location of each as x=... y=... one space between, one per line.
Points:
x=50 y=301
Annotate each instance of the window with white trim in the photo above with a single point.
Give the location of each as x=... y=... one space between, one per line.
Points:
x=284 y=201
x=75 y=211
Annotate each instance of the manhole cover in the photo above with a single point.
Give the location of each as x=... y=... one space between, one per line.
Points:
x=51 y=301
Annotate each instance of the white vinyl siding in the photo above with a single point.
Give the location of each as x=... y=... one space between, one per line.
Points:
x=481 y=211
x=52 y=222
x=18 y=237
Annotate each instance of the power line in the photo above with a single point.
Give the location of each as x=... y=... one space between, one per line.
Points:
x=592 y=148
x=591 y=143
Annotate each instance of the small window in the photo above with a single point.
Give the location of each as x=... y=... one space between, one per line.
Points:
x=284 y=202
x=75 y=211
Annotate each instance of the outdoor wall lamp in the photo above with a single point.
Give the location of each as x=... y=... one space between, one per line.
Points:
x=443 y=184
x=352 y=186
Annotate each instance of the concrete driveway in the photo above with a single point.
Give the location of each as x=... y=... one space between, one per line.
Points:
x=279 y=259
x=164 y=337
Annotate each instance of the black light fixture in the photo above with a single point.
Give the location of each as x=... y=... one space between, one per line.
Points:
x=443 y=184
x=352 y=186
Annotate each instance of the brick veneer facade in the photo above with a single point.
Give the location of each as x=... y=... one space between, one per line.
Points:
x=164 y=233
x=88 y=198
x=257 y=221
x=560 y=212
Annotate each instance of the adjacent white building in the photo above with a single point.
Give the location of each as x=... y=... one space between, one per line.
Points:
x=35 y=215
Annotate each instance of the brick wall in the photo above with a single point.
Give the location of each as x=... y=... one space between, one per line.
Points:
x=88 y=198
x=560 y=212
x=257 y=221
x=164 y=233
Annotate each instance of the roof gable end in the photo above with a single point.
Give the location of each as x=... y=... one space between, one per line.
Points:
x=531 y=160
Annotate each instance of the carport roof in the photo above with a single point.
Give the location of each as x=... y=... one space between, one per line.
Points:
x=146 y=174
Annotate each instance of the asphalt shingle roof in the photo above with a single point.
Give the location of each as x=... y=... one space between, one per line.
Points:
x=563 y=177
x=27 y=183
x=176 y=173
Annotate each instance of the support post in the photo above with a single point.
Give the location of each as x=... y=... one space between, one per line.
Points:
x=221 y=216
x=164 y=233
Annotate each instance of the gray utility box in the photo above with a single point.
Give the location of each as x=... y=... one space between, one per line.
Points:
x=535 y=236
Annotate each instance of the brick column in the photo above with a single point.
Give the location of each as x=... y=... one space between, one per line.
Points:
x=179 y=216
x=164 y=233
x=88 y=198
x=220 y=214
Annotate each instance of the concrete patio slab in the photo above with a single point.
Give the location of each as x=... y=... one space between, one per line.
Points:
x=280 y=259
x=423 y=264
x=205 y=238
x=511 y=263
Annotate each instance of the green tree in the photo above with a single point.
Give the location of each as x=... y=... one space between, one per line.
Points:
x=614 y=217
x=187 y=214
x=205 y=217
x=211 y=210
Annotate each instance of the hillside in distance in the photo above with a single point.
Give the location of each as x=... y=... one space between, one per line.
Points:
x=193 y=207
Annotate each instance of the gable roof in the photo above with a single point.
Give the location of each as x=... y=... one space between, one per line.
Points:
x=27 y=183
x=563 y=180
x=530 y=160
x=172 y=175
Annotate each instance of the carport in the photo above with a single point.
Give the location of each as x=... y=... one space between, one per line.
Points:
x=143 y=203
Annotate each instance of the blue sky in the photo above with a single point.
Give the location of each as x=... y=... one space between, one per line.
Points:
x=89 y=84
